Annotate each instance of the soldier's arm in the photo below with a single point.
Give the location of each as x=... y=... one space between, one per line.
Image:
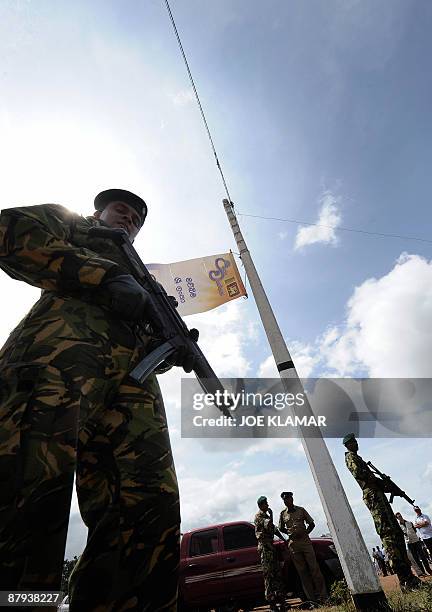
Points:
x=35 y=248
x=360 y=470
x=258 y=527
x=309 y=521
x=281 y=525
x=267 y=523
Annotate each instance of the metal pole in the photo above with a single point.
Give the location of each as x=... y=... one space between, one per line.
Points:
x=356 y=563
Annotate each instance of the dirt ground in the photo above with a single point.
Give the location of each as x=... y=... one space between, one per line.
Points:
x=388 y=583
x=391 y=583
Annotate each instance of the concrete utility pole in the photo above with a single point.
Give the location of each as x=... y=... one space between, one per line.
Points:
x=356 y=563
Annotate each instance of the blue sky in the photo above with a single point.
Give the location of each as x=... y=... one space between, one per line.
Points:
x=318 y=110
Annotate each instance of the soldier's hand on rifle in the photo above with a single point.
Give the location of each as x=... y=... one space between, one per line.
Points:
x=173 y=301
x=129 y=300
x=387 y=487
x=279 y=535
x=183 y=357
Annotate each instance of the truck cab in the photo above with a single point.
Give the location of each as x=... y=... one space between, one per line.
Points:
x=220 y=565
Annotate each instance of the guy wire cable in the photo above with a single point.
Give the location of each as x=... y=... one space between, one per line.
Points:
x=345 y=229
x=198 y=99
x=337 y=228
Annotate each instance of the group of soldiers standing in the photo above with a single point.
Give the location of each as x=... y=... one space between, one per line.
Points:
x=296 y=523
x=386 y=524
x=68 y=404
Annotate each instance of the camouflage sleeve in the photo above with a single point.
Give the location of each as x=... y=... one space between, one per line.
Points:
x=35 y=248
x=361 y=472
x=258 y=526
x=353 y=466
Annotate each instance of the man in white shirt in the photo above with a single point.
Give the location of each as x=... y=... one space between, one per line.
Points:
x=414 y=544
x=423 y=524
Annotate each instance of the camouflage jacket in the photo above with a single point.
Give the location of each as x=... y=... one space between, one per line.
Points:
x=264 y=529
x=362 y=473
x=49 y=247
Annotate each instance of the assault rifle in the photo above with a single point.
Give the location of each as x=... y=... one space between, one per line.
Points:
x=174 y=331
x=394 y=490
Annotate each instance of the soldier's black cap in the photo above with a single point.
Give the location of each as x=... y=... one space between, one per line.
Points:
x=348 y=438
x=286 y=494
x=261 y=499
x=122 y=195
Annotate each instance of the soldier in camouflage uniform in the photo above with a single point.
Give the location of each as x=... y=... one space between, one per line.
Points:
x=264 y=532
x=386 y=524
x=66 y=401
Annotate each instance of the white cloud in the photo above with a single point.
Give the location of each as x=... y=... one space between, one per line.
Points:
x=387 y=332
x=64 y=160
x=224 y=334
x=329 y=218
x=77 y=531
x=21 y=298
x=305 y=357
x=388 y=328
x=184 y=96
x=268 y=369
x=233 y=497
x=428 y=472
x=275 y=445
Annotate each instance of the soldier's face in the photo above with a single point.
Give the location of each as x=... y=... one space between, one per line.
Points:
x=352 y=445
x=120 y=214
x=288 y=501
x=264 y=506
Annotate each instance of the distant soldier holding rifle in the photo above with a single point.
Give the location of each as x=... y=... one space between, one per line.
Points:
x=386 y=525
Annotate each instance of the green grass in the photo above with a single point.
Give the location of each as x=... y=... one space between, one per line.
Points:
x=413 y=601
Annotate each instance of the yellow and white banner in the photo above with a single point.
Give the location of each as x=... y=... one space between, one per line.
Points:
x=200 y=284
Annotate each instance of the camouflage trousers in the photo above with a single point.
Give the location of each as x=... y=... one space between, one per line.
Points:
x=388 y=529
x=80 y=411
x=274 y=589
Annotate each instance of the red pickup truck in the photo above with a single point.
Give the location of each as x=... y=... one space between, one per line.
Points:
x=220 y=568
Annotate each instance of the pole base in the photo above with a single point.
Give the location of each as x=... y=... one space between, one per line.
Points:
x=371 y=602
